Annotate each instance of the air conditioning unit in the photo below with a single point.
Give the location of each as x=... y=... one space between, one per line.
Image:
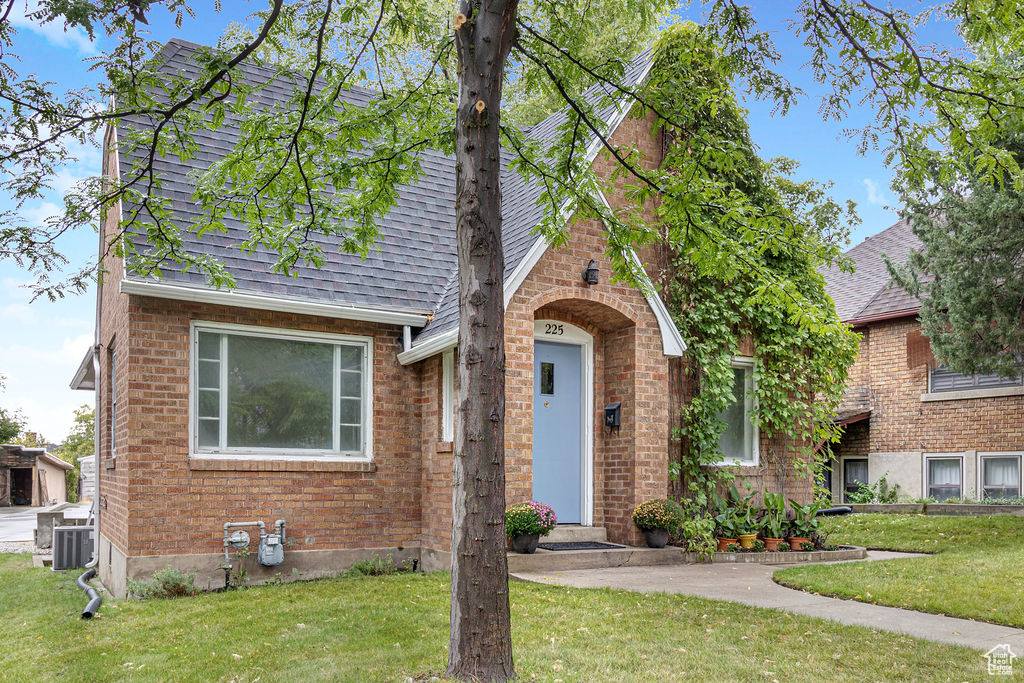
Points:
x=72 y=546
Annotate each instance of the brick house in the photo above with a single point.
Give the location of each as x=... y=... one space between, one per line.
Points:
x=357 y=457
x=936 y=433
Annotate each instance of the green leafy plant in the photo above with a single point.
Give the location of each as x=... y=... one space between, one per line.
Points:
x=523 y=519
x=697 y=531
x=166 y=583
x=747 y=522
x=658 y=514
x=805 y=519
x=879 y=492
x=807 y=546
x=733 y=548
x=783 y=547
x=377 y=566
x=758 y=546
x=773 y=520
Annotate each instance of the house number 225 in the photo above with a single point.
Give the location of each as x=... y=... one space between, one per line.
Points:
x=554 y=329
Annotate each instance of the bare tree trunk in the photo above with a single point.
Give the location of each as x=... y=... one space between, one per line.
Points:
x=481 y=638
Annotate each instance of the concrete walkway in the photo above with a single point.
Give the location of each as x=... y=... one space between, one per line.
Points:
x=751 y=584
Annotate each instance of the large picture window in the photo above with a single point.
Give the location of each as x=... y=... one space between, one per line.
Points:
x=945 y=478
x=266 y=392
x=1000 y=476
x=738 y=442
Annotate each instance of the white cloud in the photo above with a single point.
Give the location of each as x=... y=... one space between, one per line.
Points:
x=39 y=215
x=876 y=195
x=54 y=32
x=37 y=381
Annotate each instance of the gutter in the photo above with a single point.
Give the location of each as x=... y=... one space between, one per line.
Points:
x=879 y=317
x=344 y=311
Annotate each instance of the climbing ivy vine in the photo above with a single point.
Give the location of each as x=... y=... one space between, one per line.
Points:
x=766 y=294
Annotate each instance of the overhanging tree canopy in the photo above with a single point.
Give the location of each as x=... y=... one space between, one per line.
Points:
x=324 y=166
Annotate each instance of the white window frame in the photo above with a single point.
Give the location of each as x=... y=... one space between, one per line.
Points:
x=448 y=395
x=926 y=481
x=749 y=408
x=982 y=456
x=319 y=455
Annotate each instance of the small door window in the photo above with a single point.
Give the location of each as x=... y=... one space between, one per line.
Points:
x=547 y=378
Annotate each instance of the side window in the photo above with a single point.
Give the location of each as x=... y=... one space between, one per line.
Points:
x=448 y=395
x=855 y=473
x=943 y=379
x=112 y=377
x=945 y=478
x=738 y=442
x=1000 y=477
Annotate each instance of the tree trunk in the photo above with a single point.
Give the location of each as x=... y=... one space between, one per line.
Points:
x=481 y=638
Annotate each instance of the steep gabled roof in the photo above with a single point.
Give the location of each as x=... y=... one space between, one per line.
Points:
x=414 y=262
x=866 y=293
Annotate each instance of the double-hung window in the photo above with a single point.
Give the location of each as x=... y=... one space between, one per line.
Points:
x=945 y=478
x=268 y=392
x=739 y=441
x=1000 y=476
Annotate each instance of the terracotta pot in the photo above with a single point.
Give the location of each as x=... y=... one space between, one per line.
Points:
x=796 y=541
x=656 y=538
x=724 y=542
x=772 y=544
x=747 y=540
x=526 y=544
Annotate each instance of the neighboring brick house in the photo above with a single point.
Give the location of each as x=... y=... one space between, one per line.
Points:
x=936 y=433
x=326 y=399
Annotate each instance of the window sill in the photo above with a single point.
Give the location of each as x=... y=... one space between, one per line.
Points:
x=219 y=463
x=445 y=447
x=993 y=392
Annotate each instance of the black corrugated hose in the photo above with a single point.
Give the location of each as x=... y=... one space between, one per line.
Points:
x=94 y=598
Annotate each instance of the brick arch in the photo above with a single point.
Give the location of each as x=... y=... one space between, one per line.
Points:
x=612 y=313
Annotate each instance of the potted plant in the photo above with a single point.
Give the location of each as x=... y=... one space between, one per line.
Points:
x=658 y=519
x=773 y=520
x=725 y=523
x=747 y=527
x=804 y=523
x=526 y=522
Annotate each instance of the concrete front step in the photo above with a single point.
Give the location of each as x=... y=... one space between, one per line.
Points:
x=569 y=533
x=564 y=560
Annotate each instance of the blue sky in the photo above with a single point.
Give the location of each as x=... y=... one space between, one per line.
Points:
x=44 y=342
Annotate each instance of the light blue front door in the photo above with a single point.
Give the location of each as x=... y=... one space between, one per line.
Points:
x=557 y=416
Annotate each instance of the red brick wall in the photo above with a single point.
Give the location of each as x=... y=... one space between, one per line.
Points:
x=178 y=505
x=901 y=422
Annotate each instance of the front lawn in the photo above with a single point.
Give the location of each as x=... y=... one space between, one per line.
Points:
x=387 y=628
x=977 y=570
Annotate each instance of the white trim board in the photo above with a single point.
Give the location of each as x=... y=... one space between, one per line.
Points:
x=378 y=314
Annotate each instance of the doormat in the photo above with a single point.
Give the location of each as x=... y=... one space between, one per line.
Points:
x=579 y=545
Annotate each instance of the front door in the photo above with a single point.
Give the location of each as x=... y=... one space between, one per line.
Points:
x=557 y=420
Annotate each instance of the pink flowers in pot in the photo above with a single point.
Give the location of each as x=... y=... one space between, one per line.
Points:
x=523 y=519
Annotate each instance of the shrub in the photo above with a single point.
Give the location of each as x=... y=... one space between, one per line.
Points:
x=377 y=566
x=523 y=519
x=733 y=548
x=697 y=531
x=807 y=546
x=658 y=514
x=758 y=546
x=783 y=547
x=166 y=583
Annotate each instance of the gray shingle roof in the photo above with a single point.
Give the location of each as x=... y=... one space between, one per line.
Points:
x=414 y=261
x=866 y=291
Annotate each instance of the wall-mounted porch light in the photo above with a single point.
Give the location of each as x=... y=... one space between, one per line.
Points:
x=590 y=273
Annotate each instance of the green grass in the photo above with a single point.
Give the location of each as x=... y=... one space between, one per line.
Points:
x=387 y=628
x=977 y=570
